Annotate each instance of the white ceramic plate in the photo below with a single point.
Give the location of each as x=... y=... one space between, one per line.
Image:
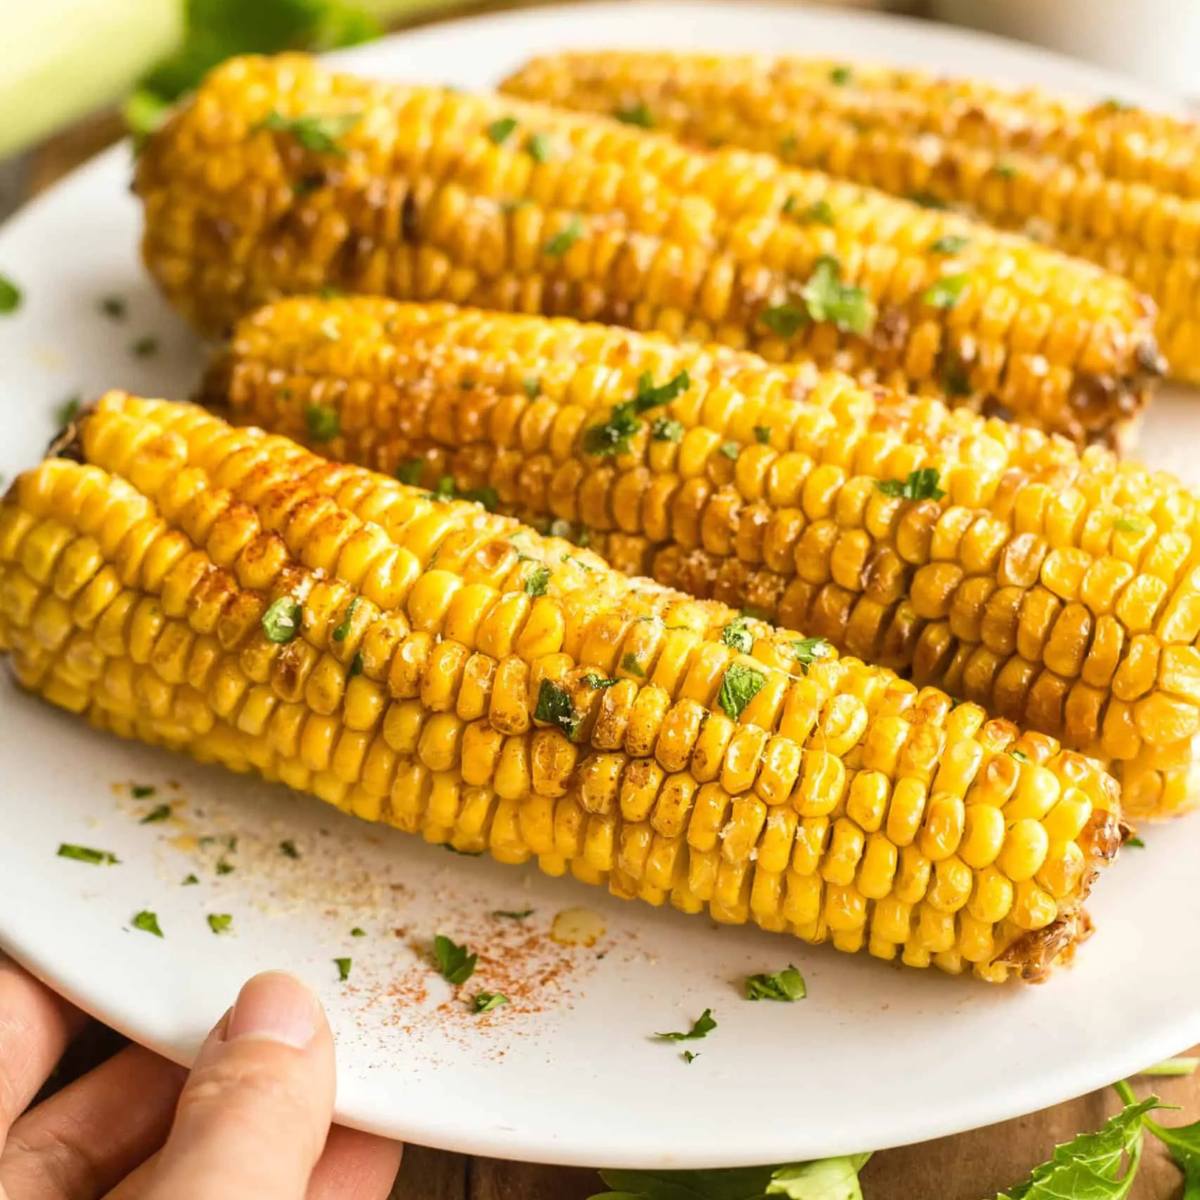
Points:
x=568 y=1073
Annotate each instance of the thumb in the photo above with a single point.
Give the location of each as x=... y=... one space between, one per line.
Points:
x=255 y=1111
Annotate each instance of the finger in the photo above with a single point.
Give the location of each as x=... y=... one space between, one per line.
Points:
x=35 y=1027
x=254 y=1114
x=355 y=1164
x=84 y=1139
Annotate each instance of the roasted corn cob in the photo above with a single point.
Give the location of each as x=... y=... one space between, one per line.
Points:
x=281 y=177
x=1108 y=182
x=427 y=664
x=1056 y=589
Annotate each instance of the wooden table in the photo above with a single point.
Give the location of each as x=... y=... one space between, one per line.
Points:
x=971 y=1166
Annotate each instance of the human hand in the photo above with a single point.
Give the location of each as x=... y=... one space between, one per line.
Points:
x=251 y=1121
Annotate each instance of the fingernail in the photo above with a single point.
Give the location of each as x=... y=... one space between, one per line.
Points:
x=277 y=1007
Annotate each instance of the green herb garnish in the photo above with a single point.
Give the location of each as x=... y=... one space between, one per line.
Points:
x=740 y=685
x=1136 y=842
x=630 y=663
x=635 y=114
x=358 y=931
x=950 y=243
x=86 y=854
x=224 y=867
x=807 y=651
x=343 y=629
x=598 y=681
x=921 y=484
x=537 y=581
x=410 y=471
x=343 y=968
x=487 y=1001
x=666 y=429
x=540 y=148
x=68 y=410
x=737 y=636
x=554 y=707
x=10 y=296
x=455 y=962
x=319 y=134
x=562 y=241
x=946 y=292
x=513 y=914
x=322 y=422
x=701 y=1027
x=819 y=213
x=531 y=385
x=288 y=849
x=499 y=129
x=220 y=922
x=139 y=791
x=730 y=449
x=281 y=621
x=840 y=76
x=113 y=306
x=147 y=922
x=762 y=434
x=823 y=298
x=356 y=666
x=1185 y=1064
x=159 y=813
x=787 y=985
x=189 y=879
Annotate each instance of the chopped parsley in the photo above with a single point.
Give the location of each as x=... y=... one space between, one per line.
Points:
x=319 y=134
x=10 y=296
x=343 y=968
x=1136 y=842
x=1114 y=104
x=86 y=854
x=690 y=1056
x=322 y=422
x=950 y=243
x=701 y=1027
x=927 y=200
x=68 y=410
x=513 y=914
x=946 y=292
x=613 y=436
x=160 y=812
x=147 y=922
x=840 y=76
x=220 y=922
x=288 y=849
x=410 y=470
x=499 y=130
x=358 y=931
x=356 y=665
x=598 y=681
x=281 y=621
x=730 y=449
x=190 y=879
x=455 y=962
x=1005 y=170
x=955 y=381
x=562 y=241
x=786 y=985
x=921 y=484
x=113 y=306
x=531 y=385
x=819 y=213
x=554 y=707
x=343 y=630
x=807 y=651
x=224 y=867
x=540 y=148
x=651 y=396
x=635 y=114
x=1019 y=755
x=536 y=581
x=823 y=298
x=630 y=663
x=762 y=434
x=144 y=347
x=139 y=791
x=1129 y=525
x=666 y=429
x=737 y=636
x=740 y=685
x=486 y=1001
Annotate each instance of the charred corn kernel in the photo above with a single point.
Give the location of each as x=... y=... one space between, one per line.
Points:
x=622 y=226
x=1108 y=182
x=1035 y=615
x=447 y=718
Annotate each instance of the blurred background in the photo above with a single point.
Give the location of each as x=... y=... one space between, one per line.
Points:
x=75 y=73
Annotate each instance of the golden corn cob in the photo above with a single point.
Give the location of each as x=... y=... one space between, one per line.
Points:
x=1108 y=182
x=281 y=177
x=450 y=672
x=1056 y=589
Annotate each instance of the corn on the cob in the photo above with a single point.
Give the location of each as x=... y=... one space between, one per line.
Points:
x=1108 y=182
x=281 y=177
x=450 y=672
x=1056 y=589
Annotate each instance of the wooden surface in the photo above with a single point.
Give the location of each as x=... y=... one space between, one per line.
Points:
x=971 y=1166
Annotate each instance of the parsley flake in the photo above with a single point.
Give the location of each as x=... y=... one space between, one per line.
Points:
x=318 y=134
x=190 y=879
x=1019 y=755
x=10 y=296
x=343 y=629
x=410 y=470
x=921 y=484
x=807 y=651
x=531 y=385
x=762 y=434
x=666 y=429
x=737 y=636
x=499 y=129
x=224 y=867
x=455 y=963
x=322 y=422
x=819 y=213
x=823 y=298
x=635 y=114
x=159 y=813
x=281 y=621
x=68 y=410
x=554 y=707
x=288 y=849
x=598 y=681
x=946 y=292
x=840 y=76
x=690 y=1056
x=513 y=914
x=730 y=449
x=540 y=148
x=343 y=968
x=356 y=665
x=562 y=241
x=1005 y=170
x=147 y=922
x=484 y=1002
x=220 y=922
x=537 y=581
x=630 y=663
x=786 y=985
x=950 y=243
x=701 y=1027
x=1136 y=842
x=86 y=854
x=113 y=306
x=144 y=347
x=358 y=931
x=740 y=685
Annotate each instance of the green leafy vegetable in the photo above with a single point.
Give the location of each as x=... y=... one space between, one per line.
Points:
x=160 y=812
x=343 y=968
x=701 y=1027
x=738 y=636
x=147 y=922
x=787 y=985
x=598 y=681
x=740 y=685
x=921 y=484
x=635 y=114
x=666 y=429
x=343 y=628
x=220 y=922
x=281 y=621
x=319 y=134
x=487 y=1001
x=807 y=651
x=537 y=581
x=555 y=708
x=499 y=129
x=950 y=243
x=562 y=241
x=322 y=422
x=10 y=296
x=630 y=663
x=455 y=962
x=86 y=854
x=823 y=298
x=946 y=292
x=540 y=148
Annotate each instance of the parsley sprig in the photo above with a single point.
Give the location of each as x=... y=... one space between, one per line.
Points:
x=613 y=436
x=921 y=484
x=824 y=297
